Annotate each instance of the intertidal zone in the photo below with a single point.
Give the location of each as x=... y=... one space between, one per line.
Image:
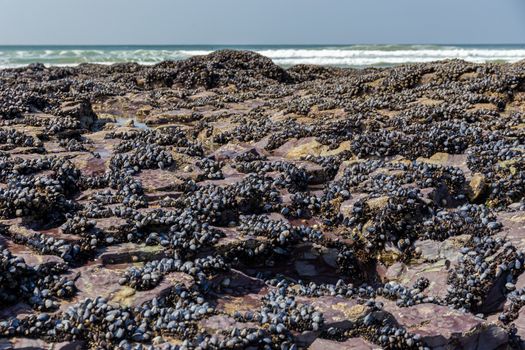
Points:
x=223 y=202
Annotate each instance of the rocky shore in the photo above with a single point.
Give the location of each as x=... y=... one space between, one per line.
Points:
x=223 y=202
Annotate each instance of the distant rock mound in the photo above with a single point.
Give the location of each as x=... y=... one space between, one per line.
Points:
x=221 y=68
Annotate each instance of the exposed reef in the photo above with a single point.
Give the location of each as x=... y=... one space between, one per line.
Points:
x=223 y=202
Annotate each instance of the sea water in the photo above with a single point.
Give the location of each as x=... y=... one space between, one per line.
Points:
x=285 y=55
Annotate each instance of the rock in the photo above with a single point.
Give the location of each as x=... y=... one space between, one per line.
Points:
x=90 y=165
x=429 y=249
x=448 y=249
x=249 y=302
x=305 y=269
x=441 y=327
x=230 y=151
x=129 y=297
x=19 y=310
x=338 y=312
x=112 y=225
x=231 y=104
x=347 y=206
x=316 y=173
x=29 y=255
x=219 y=323
x=395 y=271
x=28 y=344
x=436 y=272
x=221 y=69
x=376 y=204
x=179 y=116
x=520 y=281
x=446 y=159
x=513 y=228
x=520 y=325
x=159 y=180
x=296 y=149
x=439 y=158
x=131 y=253
x=476 y=187
x=144 y=110
x=80 y=110
x=352 y=343
x=98 y=280
x=329 y=256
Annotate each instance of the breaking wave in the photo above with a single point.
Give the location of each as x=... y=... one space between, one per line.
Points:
x=343 y=56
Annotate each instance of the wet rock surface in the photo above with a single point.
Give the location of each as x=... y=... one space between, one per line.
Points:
x=224 y=202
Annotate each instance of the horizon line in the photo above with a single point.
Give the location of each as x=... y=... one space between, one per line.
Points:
x=255 y=45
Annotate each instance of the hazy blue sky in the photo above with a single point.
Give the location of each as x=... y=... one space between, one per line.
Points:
x=261 y=21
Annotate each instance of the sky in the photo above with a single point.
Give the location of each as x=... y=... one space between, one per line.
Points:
x=155 y=22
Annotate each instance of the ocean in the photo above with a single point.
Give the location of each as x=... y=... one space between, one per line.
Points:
x=284 y=55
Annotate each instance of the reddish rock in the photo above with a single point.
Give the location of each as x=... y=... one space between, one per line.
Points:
x=338 y=312
x=513 y=228
x=19 y=227
x=352 y=343
x=348 y=205
x=442 y=327
x=97 y=280
x=159 y=180
x=130 y=252
x=19 y=310
x=519 y=322
x=36 y=344
x=29 y=256
x=232 y=150
x=80 y=110
x=112 y=224
x=230 y=304
x=220 y=323
x=90 y=165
